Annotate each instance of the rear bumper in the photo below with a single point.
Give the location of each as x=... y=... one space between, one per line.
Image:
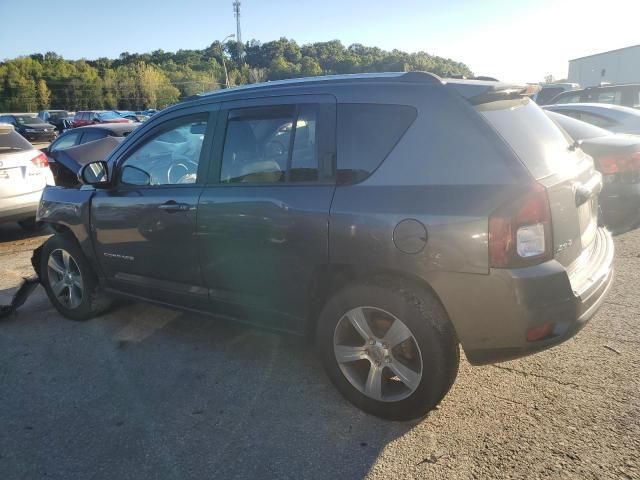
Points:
x=620 y=205
x=493 y=319
x=19 y=207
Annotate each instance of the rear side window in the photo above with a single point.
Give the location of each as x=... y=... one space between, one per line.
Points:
x=532 y=135
x=570 y=98
x=11 y=141
x=367 y=133
x=92 y=135
x=610 y=96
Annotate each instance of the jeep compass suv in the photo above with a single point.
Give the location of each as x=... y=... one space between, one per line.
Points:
x=391 y=217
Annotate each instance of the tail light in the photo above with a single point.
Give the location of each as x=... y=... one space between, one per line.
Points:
x=40 y=160
x=626 y=165
x=520 y=231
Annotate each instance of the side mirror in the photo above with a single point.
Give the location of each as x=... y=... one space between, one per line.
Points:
x=135 y=176
x=94 y=173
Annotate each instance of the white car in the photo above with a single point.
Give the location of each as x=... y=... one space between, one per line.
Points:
x=614 y=118
x=24 y=172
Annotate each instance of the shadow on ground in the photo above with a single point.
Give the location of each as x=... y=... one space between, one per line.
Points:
x=145 y=392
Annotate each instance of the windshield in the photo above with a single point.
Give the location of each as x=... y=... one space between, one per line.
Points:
x=577 y=129
x=27 y=120
x=108 y=116
x=58 y=115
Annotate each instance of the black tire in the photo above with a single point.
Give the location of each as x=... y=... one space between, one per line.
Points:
x=427 y=320
x=93 y=301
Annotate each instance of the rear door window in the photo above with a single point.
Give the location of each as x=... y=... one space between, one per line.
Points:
x=92 y=135
x=609 y=96
x=367 y=133
x=278 y=143
x=66 y=141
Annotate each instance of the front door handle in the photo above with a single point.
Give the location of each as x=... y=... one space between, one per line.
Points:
x=172 y=206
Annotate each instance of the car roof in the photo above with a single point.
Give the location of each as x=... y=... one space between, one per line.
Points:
x=466 y=87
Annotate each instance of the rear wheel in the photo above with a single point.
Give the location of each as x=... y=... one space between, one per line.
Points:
x=389 y=348
x=70 y=283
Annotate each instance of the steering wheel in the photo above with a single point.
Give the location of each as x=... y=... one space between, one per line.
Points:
x=181 y=169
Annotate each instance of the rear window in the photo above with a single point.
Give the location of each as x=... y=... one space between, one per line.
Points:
x=11 y=141
x=366 y=135
x=577 y=129
x=533 y=136
x=108 y=116
x=546 y=94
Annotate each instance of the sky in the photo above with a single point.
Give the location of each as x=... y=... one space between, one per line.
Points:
x=512 y=40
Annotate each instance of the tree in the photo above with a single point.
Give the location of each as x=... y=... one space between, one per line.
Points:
x=43 y=95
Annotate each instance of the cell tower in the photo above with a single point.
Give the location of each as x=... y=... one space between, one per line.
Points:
x=236 y=12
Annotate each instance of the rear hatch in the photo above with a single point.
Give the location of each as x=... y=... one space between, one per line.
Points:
x=554 y=161
x=18 y=174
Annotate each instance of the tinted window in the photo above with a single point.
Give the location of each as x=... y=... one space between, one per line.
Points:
x=92 y=135
x=547 y=94
x=577 y=129
x=27 y=120
x=609 y=96
x=108 y=116
x=571 y=98
x=596 y=120
x=366 y=135
x=85 y=116
x=534 y=137
x=171 y=157
x=274 y=144
x=65 y=141
x=11 y=141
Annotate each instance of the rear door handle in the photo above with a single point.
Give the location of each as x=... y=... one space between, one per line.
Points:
x=172 y=206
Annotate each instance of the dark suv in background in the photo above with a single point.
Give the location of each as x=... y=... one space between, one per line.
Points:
x=624 y=95
x=388 y=216
x=30 y=127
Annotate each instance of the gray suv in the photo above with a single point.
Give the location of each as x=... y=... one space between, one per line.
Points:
x=390 y=217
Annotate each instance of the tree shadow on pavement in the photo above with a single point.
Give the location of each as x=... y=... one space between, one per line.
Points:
x=146 y=392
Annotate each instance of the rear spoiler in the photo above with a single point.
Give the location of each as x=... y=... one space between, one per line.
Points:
x=478 y=92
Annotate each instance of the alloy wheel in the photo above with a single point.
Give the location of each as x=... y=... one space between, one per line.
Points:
x=377 y=354
x=65 y=278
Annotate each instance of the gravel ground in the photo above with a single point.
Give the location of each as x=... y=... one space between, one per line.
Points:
x=146 y=392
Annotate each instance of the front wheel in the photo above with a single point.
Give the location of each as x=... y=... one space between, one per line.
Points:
x=389 y=348
x=70 y=283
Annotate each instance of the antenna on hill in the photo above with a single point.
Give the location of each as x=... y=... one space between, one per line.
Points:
x=236 y=12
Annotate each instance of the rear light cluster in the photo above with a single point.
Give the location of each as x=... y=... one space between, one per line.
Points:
x=40 y=160
x=520 y=231
x=623 y=167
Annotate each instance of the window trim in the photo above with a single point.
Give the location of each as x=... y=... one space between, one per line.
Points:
x=327 y=173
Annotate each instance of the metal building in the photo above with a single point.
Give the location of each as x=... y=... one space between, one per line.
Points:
x=616 y=66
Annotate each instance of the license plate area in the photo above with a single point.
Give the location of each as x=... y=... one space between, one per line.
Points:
x=10 y=174
x=588 y=219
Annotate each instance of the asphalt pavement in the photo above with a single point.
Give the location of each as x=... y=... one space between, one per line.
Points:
x=149 y=393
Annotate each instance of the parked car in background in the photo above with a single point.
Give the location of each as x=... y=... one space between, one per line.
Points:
x=390 y=216
x=91 y=117
x=617 y=157
x=80 y=136
x=548 y=91
x=133 y=116
x=625 y=95
x=610 y=117
x=57 y=118
x=24 y=172
x=30 y=127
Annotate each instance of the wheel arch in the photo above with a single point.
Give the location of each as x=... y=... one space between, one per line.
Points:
x=334 y=277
